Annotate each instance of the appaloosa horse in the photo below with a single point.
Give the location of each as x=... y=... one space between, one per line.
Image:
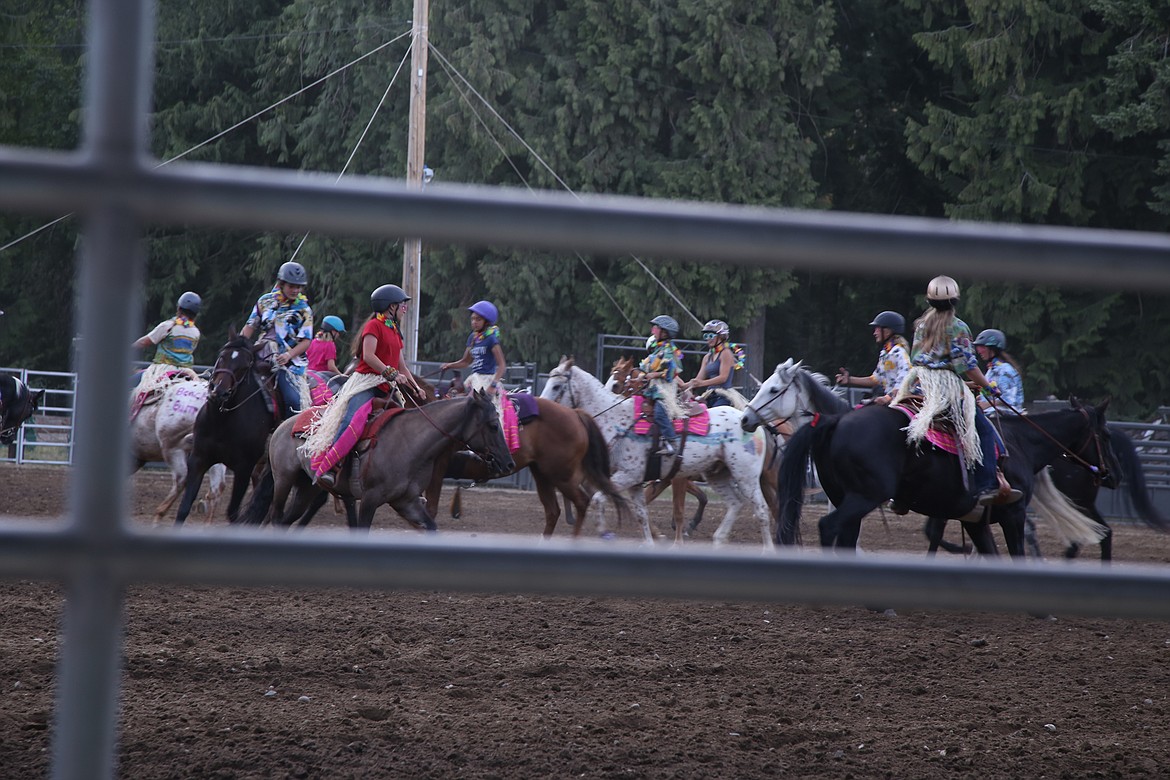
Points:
x=728 y=458
x=161 y=431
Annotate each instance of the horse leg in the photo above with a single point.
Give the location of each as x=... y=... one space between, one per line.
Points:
x=413 y=510
x=842 y=527
x=1012 y=522
x=548 y=499
x=196 y=468
x=217 y=481
x=698 y=493
x=731 y=498
x=315 y=505
x=176 y=460
x=982 y=538
x=241 y=479
x=935 y=529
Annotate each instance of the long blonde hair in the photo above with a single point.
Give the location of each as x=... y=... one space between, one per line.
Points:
x=933 y=325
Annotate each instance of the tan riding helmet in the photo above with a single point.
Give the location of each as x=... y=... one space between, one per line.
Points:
x=942 y=288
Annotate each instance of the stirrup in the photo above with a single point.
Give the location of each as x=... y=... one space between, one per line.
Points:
x=666 y=449
x=328 y=480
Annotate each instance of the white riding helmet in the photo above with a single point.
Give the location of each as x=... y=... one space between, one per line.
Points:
x=942 y=288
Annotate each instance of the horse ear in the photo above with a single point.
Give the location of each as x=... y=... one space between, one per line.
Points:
x=37 y=397
x=783 y=366
x=1101 y=407
x=1074 y=402
x=231 y=332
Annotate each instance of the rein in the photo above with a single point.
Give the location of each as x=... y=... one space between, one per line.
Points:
x=1098 y=472
x=419 y=408
x=236 y=383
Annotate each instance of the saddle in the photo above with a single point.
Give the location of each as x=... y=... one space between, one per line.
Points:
x=697 y=421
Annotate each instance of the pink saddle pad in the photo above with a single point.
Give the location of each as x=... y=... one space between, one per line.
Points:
x=944 y=440
x=698 y=425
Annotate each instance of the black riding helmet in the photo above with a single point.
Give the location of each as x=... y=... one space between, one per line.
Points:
x=386 y=296
x=890 y=319
x=292 y=273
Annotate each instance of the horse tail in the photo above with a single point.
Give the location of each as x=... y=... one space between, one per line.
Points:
x=1131 y=472
x=597 y=467
x=1070 y=524
x=793 y=470
x=261 y=500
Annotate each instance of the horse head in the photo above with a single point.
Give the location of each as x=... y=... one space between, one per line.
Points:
x=1095 y=451
x=484 y=436
x=778 y=398
x=235 y=359
x=558 y=388
x=17 y=404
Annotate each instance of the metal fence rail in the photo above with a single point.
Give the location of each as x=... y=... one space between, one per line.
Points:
x=116 y=191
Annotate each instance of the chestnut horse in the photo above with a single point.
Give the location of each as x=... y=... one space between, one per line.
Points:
x=564 y=451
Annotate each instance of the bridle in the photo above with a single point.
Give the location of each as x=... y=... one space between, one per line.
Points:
x=800 y=411
x=464 y=442
x=237 y=379
x=1101 y=472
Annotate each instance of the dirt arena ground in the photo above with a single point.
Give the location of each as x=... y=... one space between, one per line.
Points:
x=278 y=683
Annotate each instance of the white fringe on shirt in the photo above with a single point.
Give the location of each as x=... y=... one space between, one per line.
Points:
x=946 y=397
x=323 y=431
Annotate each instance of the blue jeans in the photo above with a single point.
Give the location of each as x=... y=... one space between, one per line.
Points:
x=985 y=478
x=289 y=392
x=665 y=426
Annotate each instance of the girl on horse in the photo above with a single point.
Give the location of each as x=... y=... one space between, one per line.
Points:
x=176 y=339
x=1002 y=371
x=941 y=358
x=483 y=352
x=718 y=366
x=322 y=352
x=378 y=348
x=893 y=361
x=660 y=368
x=283 y=316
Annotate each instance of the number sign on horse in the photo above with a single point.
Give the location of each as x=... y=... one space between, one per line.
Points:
x=726 y=457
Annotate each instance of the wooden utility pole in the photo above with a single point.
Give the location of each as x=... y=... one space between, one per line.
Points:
x=415 y=164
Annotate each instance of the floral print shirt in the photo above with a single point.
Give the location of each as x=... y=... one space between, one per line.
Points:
x=1003 y=376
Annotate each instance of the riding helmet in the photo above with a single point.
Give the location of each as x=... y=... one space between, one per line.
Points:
x=335 y=323
x=942 y=288
x=386 y=296
x=667 y=323
x=190 y=301
x=485 y=309
x=718 y=327
x=292 y=273
x=890 y=319
x=991 y=338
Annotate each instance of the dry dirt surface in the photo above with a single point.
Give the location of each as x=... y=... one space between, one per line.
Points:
x=283 y=683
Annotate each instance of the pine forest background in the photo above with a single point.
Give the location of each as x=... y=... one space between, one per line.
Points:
x=1026 y=111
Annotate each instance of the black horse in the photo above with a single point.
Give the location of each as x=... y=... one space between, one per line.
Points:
x=17 y=404
x=232 y=427
x=1125 y=469
x=1032 y=453
x=863 y=459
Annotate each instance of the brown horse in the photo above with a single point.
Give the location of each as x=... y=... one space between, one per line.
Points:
x=622 y=381
x=564 y=451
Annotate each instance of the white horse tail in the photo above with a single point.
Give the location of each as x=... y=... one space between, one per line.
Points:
x=1070 y=524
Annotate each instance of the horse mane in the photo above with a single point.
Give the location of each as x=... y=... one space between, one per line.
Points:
x=823 y=397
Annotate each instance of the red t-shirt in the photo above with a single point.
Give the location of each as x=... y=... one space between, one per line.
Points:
x=388 y=348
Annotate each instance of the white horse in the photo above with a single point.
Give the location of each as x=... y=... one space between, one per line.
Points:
x=728 y=459
x=161 y=431
x=793 y=395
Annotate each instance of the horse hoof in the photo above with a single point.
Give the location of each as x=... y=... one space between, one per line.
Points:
x=201 y=507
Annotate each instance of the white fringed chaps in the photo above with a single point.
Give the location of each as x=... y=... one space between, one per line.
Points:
x=324 y=429
x=945 y=396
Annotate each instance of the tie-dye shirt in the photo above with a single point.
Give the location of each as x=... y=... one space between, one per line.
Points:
x=665 y=358
x=1004 y=377
x=287 y=322
x=176 y=339
x=954 y=354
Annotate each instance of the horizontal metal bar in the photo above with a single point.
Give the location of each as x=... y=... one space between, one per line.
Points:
x=237 y=197
x=506 y=563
